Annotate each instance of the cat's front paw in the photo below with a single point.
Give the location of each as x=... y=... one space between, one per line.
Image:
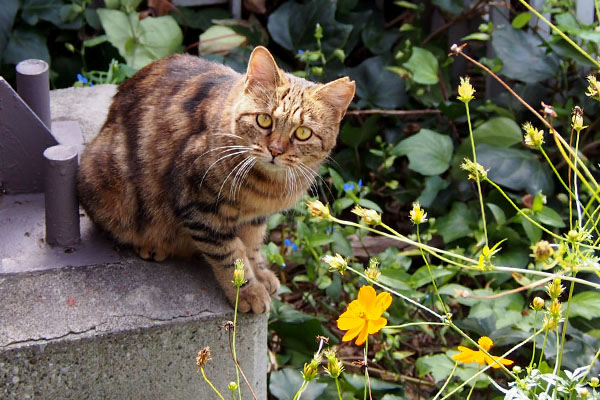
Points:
x=254 y=297
x=268 y=279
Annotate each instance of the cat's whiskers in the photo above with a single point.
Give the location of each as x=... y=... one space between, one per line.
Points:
x=231 y=147
x=237 y=167
x=237 y=153
x=307 y=178
x=314 y=174
x=244 y=175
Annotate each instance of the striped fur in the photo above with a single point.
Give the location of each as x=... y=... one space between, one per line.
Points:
x=182 y=167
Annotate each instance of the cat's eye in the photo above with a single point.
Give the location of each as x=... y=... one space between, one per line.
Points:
x=303 y=133
x=264 y=120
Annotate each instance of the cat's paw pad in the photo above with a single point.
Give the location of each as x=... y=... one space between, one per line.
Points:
x=254 y=297
x=269 y=280
x=151 y=254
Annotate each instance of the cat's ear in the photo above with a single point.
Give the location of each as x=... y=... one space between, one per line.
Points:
x=337 y=94
x=262 y=70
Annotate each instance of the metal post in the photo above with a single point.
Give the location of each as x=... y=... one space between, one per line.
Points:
x=62 y=207
x=33 y=85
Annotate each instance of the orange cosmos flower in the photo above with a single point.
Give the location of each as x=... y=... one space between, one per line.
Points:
x=467 y=355
x=363 y=316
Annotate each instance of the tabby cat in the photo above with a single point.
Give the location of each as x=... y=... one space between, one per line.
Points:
x=193 y=157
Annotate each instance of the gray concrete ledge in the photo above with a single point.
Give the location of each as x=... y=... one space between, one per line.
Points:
x=127 y=330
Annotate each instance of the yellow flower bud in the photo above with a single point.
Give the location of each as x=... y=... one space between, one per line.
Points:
x=334 y=366
x=311 y=369
x=593 y=90
x=238 y=273
x=594 y=382
x=554 y=289
x=474 y=169
x=538 y=303
x=369 y=217
x=417 y=214
x=533 y=137
x=555 y=309
x=373 y=271
x=318 y=209
x=577 y=122
x=232 y=386
x=336 y=263
x=542 y=251
x=465 y=90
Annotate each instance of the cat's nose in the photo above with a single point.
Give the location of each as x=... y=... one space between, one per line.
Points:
x=276 y=148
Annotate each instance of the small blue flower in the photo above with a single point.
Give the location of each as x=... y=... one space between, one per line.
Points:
x=291 y=244
x=359 y=184
x=300 y=51
x=82 y=79
x=91 y=84
x=348 y=187
x=329 y=229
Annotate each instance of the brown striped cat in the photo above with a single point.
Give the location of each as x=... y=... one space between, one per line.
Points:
x=193 y=157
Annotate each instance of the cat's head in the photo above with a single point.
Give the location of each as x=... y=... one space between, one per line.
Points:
x=286 y=119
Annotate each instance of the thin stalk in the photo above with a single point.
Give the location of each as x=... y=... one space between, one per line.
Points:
x=210 y=384
x=534 y=340
x=437 y=292
x=233 y=350
x=439 y=393
x=366 y=360
x=565 y=324
x=412 y=324
x=577 y=201
x=547 y=274
x=590 y=367
x=543 y=348
x=472 y=388
x=477 y=175
x=559 y=32
x=299 y=392
x=554 y=372
x=337 y=386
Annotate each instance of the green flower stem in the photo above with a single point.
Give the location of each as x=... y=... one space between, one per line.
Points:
x=558 y=31
x=413 y=324
x=543 y=348
x=548 y=275
x=337 y=386
x=517 y=346
x=577 y=201
x=477 y=175
x=299 y=392
x=437 y=292
x=566 y=323
x=392 y=291
x=439 y=393
x=534 y=339
x=210 y=384
x=237 y=368
x=590 y=367
x=366 y=367
x=472 y=387
x=556 y=367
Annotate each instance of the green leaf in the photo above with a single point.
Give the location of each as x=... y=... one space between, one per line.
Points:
x=376 y=86
x=95 y=41
x=378 y=39
x=498 y=132
x=433 y=185
x=438 y=365
x=522 y=56
x=516 y=169
x=521 y=20
x=23 y=44
x=369 y=204
x=452 y=6
x=358 y=382
x=585 y=304
x=340 y=244
x=423 y=66
x=284 y=384
x=141 y=42
x=421 y=276
x=47 y=10
x=292 y=26
x=219 y=39
x=428 y=152
x=201 y=18
x=476 y=36
x=498 y=213
x=534 y=234
x=8 y=11
x=457 y=223
x=548 y=216
x=338 y=181
x=354 y=136
x=285 y=313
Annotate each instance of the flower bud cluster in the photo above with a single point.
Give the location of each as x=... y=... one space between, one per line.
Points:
x=475 y=170
x=417 y=214
x=533 y=137
x=238 y=273
x=373 y=272
x=369 y=217
x=336 y=263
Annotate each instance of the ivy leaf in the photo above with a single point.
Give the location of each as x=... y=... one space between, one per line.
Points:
x=428 y=152
x=433 y=185
x=7 y=16
x=47 y=10
x=423 y=66
x=23 y=44
x=522 y=56
x=438 y=365
x=585 y=304
x=516 y=169
x=377 y=39
x=354 y=136
x=499 y=132
x=292 y=26
x=548 y=216
x=284 y=383
x=457 y=223
x=376 y=86
x=141 y=41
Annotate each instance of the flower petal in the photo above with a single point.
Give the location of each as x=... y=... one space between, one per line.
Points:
x=485 y=342
x=349 y=322
x=376 y=325
x=352 y=333
x=465 y=356
x=367 y=297
x=504 y=361
x=362 y=337
x=384 y=301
